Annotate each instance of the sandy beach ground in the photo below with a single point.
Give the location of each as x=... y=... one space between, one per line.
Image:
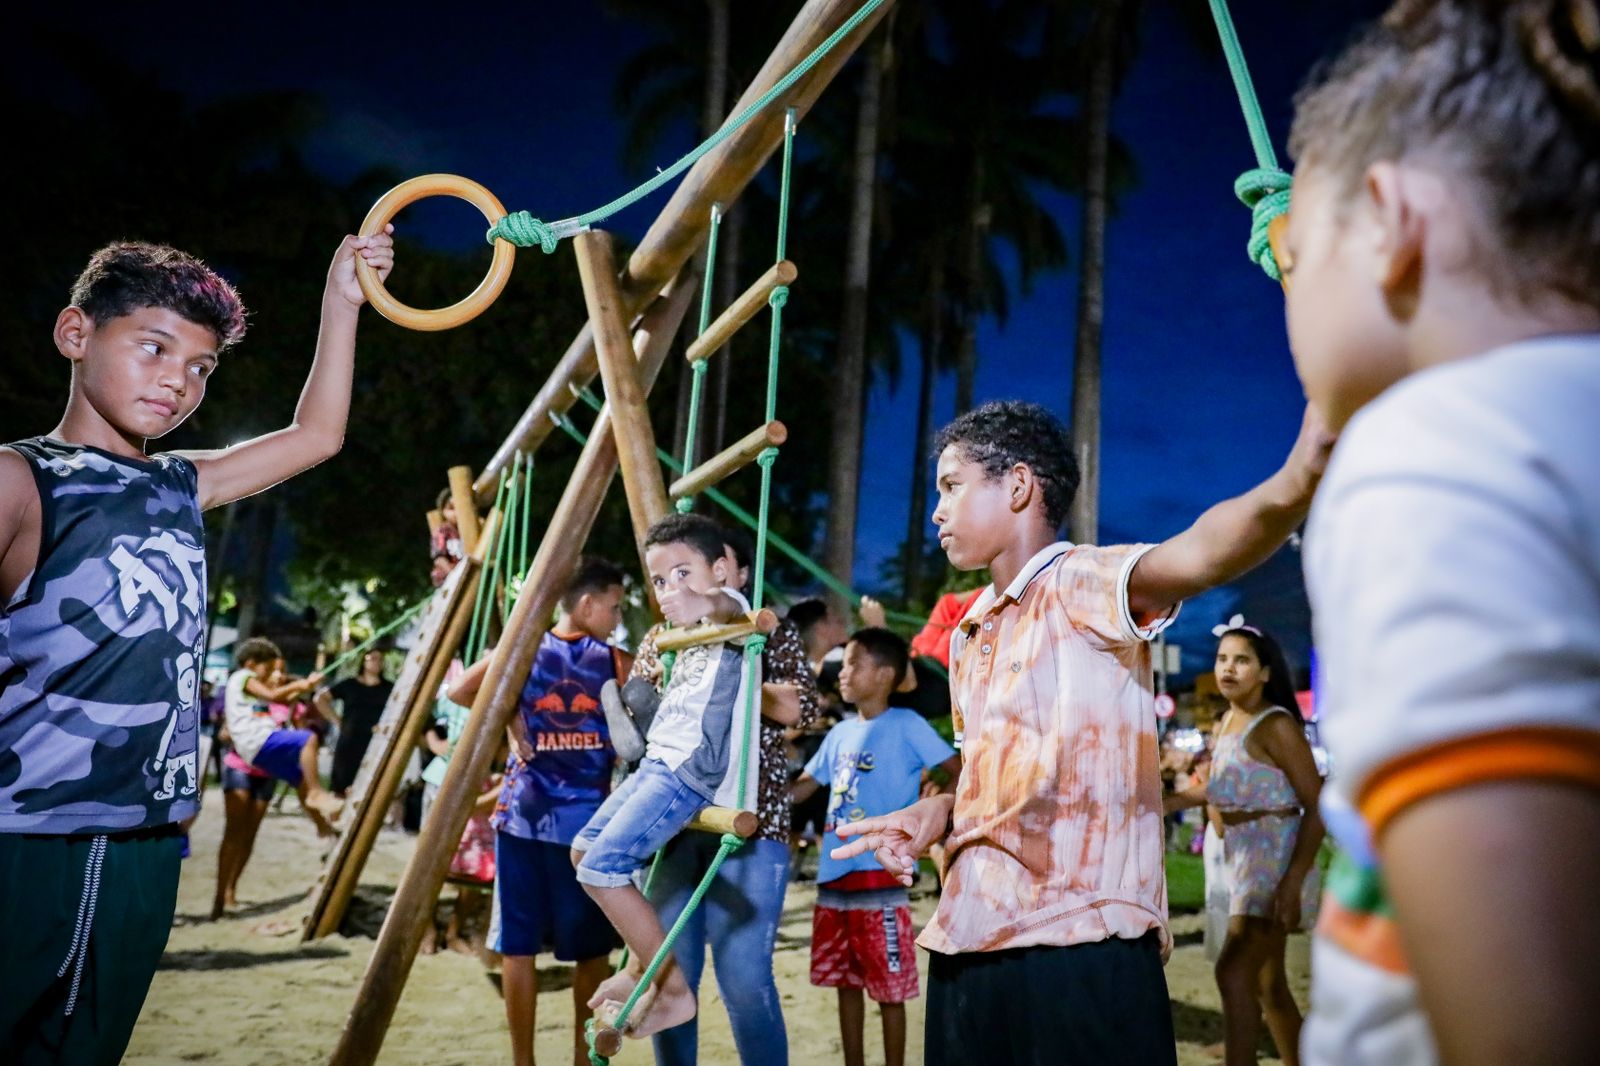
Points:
x=228 y=993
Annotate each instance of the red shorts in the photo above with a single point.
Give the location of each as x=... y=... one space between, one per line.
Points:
x=872 y=949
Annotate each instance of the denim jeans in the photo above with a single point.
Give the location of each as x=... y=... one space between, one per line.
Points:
x=739 y=919
x=637 y=820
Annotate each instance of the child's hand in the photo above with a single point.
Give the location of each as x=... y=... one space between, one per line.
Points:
x=1286 y=901
x=684 y=607
x=872 y=613
x=377 y=251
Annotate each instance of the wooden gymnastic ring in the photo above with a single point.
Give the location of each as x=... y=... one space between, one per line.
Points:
x=409 y=192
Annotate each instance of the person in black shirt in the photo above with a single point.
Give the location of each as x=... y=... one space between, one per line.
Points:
x=361 y=699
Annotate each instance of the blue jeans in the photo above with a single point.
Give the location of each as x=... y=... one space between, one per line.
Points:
x=636 y=821
x=739 y=918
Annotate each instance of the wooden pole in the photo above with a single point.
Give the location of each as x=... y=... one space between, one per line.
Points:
x=435 y=520
x=764 y=621
x=325 y=919
x=742 y=310
x=410 y=912
x=736 y=456
x=466 y=506
x=630 y=413
x=720 y=176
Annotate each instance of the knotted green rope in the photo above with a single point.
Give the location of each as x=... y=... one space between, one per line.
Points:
x=523 y=230
x=1265 y=189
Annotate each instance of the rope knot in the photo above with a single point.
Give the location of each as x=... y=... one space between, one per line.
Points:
x=755 y=644
x=767 y=457
x=524 y=231
x=778 y=296
x=685 y=504
x=1265 y=191
x=732 y=840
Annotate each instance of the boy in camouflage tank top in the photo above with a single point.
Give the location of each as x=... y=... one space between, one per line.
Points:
x=102 y=631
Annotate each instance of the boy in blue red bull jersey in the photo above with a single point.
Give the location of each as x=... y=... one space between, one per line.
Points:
x=558 y=775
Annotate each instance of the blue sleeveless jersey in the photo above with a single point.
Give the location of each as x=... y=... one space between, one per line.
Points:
x=552 y=797
x=101 y=647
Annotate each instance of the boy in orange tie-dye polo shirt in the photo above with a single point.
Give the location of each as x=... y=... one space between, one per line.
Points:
x=1049 y=938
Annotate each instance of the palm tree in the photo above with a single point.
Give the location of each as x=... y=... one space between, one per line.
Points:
x=850 y=370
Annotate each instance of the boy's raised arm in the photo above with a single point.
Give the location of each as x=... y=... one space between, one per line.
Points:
x=1236 y=535
x=317 y=432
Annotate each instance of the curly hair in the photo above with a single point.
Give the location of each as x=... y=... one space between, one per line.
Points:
x=127 y=275
x=256 y=650
x=1002 y=433
x=1504 y=93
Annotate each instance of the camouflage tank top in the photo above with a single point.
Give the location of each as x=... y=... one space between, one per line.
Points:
x=100 y=647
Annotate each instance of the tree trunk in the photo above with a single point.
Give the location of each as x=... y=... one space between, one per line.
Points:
x=932 y=341
x=713 y=109
x=979 y=216
x=1085 y=513
x=849 y=391
x=253 y=589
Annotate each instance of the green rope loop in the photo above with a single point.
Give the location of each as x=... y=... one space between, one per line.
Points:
x=755 y=644
x=547 y=234
x=778 y=297
x=524 y=231
x=685 y=504
x=767 y=457
x=1265 y=191
x=732 y=840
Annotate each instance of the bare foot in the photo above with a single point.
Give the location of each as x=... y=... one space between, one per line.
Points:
x=218 y=909
x=430 y=941
x=461 y=946
x=326 y=804
x=618 y=987
x=672 y=1005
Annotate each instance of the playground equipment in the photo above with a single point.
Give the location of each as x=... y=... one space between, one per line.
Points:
x=647 y=297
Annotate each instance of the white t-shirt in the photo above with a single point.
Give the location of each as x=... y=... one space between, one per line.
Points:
x=1453 y=563
x=249 y=720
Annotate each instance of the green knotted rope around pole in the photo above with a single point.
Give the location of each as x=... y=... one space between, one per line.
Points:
x=1264 y=189
x=525 y=231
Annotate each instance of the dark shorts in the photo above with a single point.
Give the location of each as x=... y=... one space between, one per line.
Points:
x=811 y=812
x=1101 y=1004
x=260 y=788
x=539 y=905
x=42 y=883
x=280 y=755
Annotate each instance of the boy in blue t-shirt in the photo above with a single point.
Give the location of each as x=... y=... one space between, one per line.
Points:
x=558 y=775
x=102 y=630
x=871 y=764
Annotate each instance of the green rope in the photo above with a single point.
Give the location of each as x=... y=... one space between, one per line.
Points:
x=410 y=613
x=748 y=520
x=1265 y=189
x=523 y=230
x=524 y=560
x=477 y=629
x=697 y=386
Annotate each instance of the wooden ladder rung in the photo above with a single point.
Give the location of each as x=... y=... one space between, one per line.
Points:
x=764 y=621
x=742 y=310
x=742 y=824
x=738 y=455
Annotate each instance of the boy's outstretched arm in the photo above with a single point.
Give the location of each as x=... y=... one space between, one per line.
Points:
x=1236 y=535
x=1493 y=887
x=317 y=432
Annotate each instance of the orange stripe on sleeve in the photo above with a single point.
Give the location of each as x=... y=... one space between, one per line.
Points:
x=1571 y=755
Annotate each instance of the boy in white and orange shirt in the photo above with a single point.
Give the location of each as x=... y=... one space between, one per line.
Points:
x=1049 y=938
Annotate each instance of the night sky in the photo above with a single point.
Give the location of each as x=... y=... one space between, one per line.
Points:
x=1200 y=398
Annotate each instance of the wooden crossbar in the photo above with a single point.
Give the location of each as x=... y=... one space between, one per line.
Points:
x=764 y=621
x=742 y=824
x=738 y=455
x=742 y=310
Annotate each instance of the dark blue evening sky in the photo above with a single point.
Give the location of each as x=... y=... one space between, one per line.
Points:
x=1200 y=398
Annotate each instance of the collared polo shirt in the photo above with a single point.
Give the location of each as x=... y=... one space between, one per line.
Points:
x=1057 y=836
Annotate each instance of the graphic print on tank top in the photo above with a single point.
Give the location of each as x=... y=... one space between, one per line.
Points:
x=101 y=646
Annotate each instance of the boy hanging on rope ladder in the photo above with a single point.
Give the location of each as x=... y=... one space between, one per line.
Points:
x=686 y=765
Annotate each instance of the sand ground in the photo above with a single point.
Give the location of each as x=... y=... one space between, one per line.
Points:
x=227 y=993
